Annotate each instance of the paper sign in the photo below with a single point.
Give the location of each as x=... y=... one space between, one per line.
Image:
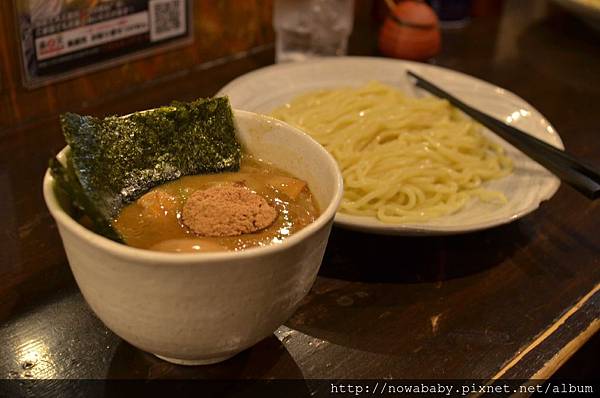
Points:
x=61 y=39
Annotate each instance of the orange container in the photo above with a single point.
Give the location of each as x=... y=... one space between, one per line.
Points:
x=411 y=31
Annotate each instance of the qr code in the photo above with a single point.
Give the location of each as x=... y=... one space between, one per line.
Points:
x=167 y=19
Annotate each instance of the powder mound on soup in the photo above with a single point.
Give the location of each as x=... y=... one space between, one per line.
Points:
x=227 y=210
x=158 y=221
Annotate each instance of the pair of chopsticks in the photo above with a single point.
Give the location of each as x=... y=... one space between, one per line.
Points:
x=582 y=176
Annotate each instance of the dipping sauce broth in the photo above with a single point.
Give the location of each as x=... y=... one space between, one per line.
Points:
x=155 y=220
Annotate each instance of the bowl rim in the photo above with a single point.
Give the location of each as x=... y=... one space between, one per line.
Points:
x=159 y=258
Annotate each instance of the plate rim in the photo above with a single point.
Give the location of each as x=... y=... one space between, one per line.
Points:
x=372 y=225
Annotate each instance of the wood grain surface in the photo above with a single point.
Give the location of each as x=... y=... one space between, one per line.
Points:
x=514 y=301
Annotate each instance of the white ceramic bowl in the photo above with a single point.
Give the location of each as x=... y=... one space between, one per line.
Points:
x=204 y=308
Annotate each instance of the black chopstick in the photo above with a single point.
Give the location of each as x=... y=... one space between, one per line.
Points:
x=581 y=175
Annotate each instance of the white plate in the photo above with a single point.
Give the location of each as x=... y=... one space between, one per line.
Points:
x=529 y=184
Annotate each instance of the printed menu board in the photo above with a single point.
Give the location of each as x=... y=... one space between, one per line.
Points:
x=64 y=38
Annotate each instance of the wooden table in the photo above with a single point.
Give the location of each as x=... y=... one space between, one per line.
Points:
x=510 y=302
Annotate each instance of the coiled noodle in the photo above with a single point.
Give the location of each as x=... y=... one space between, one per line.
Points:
x=403 y=159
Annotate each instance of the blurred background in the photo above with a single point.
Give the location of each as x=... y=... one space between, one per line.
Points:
x=219 y=32
x=220 y=29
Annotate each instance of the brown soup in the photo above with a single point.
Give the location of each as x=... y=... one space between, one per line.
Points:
x=154 y=221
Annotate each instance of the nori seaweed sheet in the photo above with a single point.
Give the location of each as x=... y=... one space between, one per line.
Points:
x=115 y=160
